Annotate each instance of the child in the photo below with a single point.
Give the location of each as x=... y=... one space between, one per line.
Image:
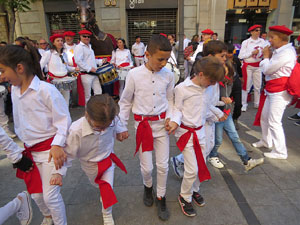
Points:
x=91 y=139
x=149 y=92
x=41 y=120
x=191 y=118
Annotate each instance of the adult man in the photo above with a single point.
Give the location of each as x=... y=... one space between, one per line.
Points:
x=43 y=46
x=138 y=50
x=251 y=54
x=206 y=36
x=69 y=46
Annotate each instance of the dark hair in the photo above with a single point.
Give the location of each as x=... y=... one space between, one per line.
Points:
x=213 y=47
x=136 y=37
x=196 y=36
x=194 y=44
x=211 y=67
x=102 y=108
x=124 y=43
x=158 y=43
x=21 y=40
x=3 y=43
x=230 y=74
x=230 y=48
x=12 y=55
x=215 y=34
x=263 y=33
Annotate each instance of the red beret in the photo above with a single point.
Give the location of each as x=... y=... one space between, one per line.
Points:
x=54 y=36
x=282 y=29
x=254 y=27
x=84 y=32
x=69 y=33
x=298 y=38
x=207 y=31
x=162 y=34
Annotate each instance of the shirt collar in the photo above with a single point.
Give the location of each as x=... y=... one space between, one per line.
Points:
x=86 y=128
x=282 y=48
x=35 y=83
x=188 y=82
x=81 y=43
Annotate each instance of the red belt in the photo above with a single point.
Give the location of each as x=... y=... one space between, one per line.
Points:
x=108 y=57
x=272 y=86
x=244 y=72
x=203 y=172
x=107 y=194
x=144 y=134
x=138 y=56
x=51 y=76
x=32 y=179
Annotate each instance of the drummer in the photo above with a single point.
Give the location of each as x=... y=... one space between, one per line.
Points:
x=57 y=62
x=121 y=58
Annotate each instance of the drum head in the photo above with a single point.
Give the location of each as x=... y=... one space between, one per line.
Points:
x=64 y=80
x=2 y=89
x=105 y=68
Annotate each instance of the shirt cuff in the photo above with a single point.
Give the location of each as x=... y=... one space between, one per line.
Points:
x=62 y=171
x=59 y=140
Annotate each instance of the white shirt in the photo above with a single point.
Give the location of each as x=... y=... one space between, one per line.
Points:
x=55 y=64
x=42 y=51
x=280 y=64
x=199 y=49
x=121 y=56
x=186 y=42
x=138 y=49
x=147 y=93
x=69 y=50
x=248 y=46
x=85 y=57
x=13 y=151
x=87 y=145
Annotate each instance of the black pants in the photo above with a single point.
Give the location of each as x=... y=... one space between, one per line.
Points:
x=236 y=93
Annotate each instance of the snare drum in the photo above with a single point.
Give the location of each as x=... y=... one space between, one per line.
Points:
x=122 y=72
x=64 y=83
x=107 y=74
x=174 y=70
x=3 y=91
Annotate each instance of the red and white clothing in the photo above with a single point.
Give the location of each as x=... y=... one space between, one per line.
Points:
x=85 y=59
x=138 y=50
x=39 y=114
x=251 y=73
x=278 y=66
x=69 y=50
x=150 y=93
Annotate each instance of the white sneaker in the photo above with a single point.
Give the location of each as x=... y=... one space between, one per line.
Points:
x=215 y=162
x=253 y=163
x=9 y=132
x=47 y=221
x=244 y=108
x=258 y=144
x=178 y=167
x=24 y=214
x=108 y=219
x=273 y=155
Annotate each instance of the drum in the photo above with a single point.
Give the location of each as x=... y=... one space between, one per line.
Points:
x=122 y=72
x=175 y=71
x=64 y=83
x=3 y=91
x=107 y=74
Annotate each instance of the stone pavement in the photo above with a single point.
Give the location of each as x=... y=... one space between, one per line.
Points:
x=269 y=194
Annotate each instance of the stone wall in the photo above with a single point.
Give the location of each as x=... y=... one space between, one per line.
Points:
x=3 y=28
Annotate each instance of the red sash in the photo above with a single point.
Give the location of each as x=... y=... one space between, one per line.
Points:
x=32 y=179
x=272 y=86
x=138 y=56
x=80 y=89
x=203 y=172
x=51 y=76
x=107 y=194
x=144 y=134
x=244 y=72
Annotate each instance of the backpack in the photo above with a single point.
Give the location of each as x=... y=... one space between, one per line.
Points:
x=293 y=85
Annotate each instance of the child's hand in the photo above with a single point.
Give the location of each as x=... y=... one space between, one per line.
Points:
x=167 y=124
x=56 y=179
x=122 y=136
x=58 y=155
x=172 y=127
x=223 y=118
x=226 y=100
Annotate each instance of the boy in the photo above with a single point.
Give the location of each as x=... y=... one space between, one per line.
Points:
x=149 y=92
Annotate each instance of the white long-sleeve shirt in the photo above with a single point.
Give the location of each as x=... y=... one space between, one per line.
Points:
x=138 y=49
x=147 y=93
x=248 y=46
x=121 y=56
x=69 y=50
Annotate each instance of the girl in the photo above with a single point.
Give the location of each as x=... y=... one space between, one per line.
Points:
x=121 y=58
x=91 y=139
x=57 y=63
x=41 y=120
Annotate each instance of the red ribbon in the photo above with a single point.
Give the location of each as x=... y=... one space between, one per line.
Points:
x=203 y=172
x=272 y=86
x=107 y=194
x=138 y=56
x=144 y=134
x=51 y=76
x=32 y=178
x=80 y=89
x=244 y=72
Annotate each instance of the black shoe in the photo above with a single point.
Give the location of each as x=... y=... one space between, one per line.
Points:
x=294 y=117
x=186 y=207
x=297 y=123
x=148 y=196
x=198 y=199
x=236 y=124
x=162 y=211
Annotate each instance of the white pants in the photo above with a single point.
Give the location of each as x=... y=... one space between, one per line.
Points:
x=139 y=61
x=161 y=149
x=9 y=209
x=271 y=126
x=121 y=88
x=254 y=78
x=3 y=116
x=89 y=82
x=50 y=202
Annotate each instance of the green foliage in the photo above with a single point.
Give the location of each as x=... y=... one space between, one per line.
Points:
x=17 y=5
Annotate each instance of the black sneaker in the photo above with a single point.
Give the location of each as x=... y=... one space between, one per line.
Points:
x=162 y=211
x=186 y=207
x=297 y=123
x=198 y=199
x=294 y=117
x=148 y=196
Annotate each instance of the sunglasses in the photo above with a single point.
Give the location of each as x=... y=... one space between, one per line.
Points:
x=43 y=43
x=257 y=30
x=85 y=36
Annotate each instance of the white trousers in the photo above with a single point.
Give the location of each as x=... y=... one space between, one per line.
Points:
x=50 y=202
x=121 y=88
x=254 y=78
x=89 y=82
x=161 y=150
x=139 y=61
x=9 y=209
x=3 y=116
x=271 y=126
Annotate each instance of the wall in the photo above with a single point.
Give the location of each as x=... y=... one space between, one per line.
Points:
x=3 y=28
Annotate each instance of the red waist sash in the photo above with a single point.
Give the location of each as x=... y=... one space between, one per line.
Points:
x=51 y=76
x=138 y=56
x=144 y=134
x=32 y=179
x=244 y=72
x=107 y=194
